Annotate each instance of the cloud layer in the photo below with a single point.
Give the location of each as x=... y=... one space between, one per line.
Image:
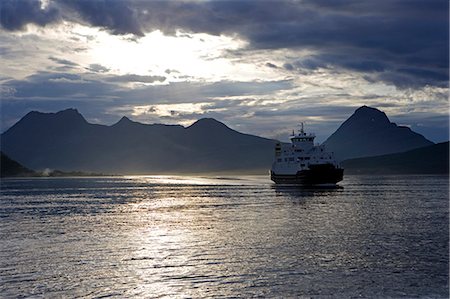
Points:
x=314 y=58
x=404 y=43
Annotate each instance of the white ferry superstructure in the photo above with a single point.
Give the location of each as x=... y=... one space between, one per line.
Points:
x=304 y=163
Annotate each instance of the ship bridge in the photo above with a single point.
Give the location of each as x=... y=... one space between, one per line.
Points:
x=302 y=141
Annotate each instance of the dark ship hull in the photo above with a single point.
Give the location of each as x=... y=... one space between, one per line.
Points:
x=320 y=174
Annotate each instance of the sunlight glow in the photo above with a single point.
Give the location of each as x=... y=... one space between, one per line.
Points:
x=176 y=56
x=180 y=57
x=168 y=109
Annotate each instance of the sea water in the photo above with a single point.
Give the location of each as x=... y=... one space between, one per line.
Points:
x=175 y=236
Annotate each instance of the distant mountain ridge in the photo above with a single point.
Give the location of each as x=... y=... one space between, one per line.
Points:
x=11 y=168
x=368 y=132
x=66 y=141
x=433 y=159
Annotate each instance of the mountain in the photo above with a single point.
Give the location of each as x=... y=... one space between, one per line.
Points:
x=11 y=168
x=431 y=159
x=66 y=141
x=368 y=132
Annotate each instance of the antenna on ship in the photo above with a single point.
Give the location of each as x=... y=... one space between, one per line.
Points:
x=301 y=128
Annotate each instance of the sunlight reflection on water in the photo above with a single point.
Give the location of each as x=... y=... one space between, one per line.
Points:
x=151 y=236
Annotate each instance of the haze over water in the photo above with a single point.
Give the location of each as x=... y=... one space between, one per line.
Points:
x=165 y=236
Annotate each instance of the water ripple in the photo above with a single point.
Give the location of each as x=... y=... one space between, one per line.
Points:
x=169 y=236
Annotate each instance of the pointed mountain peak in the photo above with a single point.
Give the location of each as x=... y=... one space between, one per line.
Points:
x=369 y=132
x=124 y=121
x=369 y=115
x=368 y=110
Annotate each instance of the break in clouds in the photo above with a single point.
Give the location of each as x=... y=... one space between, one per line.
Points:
x=394 y=52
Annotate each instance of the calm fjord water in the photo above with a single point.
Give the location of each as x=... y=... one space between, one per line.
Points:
x=219 y=237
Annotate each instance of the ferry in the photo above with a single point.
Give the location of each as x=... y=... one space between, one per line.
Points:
x=304 y=163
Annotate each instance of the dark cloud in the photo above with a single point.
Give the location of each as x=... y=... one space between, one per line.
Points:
x=57 y=86
x=307 y=63
x=95 y=87
x=407 y=78
x=169 y=71
x=271 y=65
x=118 y=16
x=136 y=78
x=324 y=61
x=288 y=66
x=15 y=14
x=423 y=73
x=365 y=65
x=64 y=62
x=381 y=37
x=98 y=68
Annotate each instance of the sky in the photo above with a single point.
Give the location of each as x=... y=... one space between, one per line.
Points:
x=261 y=67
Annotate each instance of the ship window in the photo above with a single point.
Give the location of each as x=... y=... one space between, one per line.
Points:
x=279 y=160
x=307 y=158
x=302 y=165
x=291 y=159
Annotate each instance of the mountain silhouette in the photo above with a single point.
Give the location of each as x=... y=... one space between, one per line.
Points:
x=123 y=122
x=11 y=168
x=66 y=141
x=368 y=132
x=425 y=160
